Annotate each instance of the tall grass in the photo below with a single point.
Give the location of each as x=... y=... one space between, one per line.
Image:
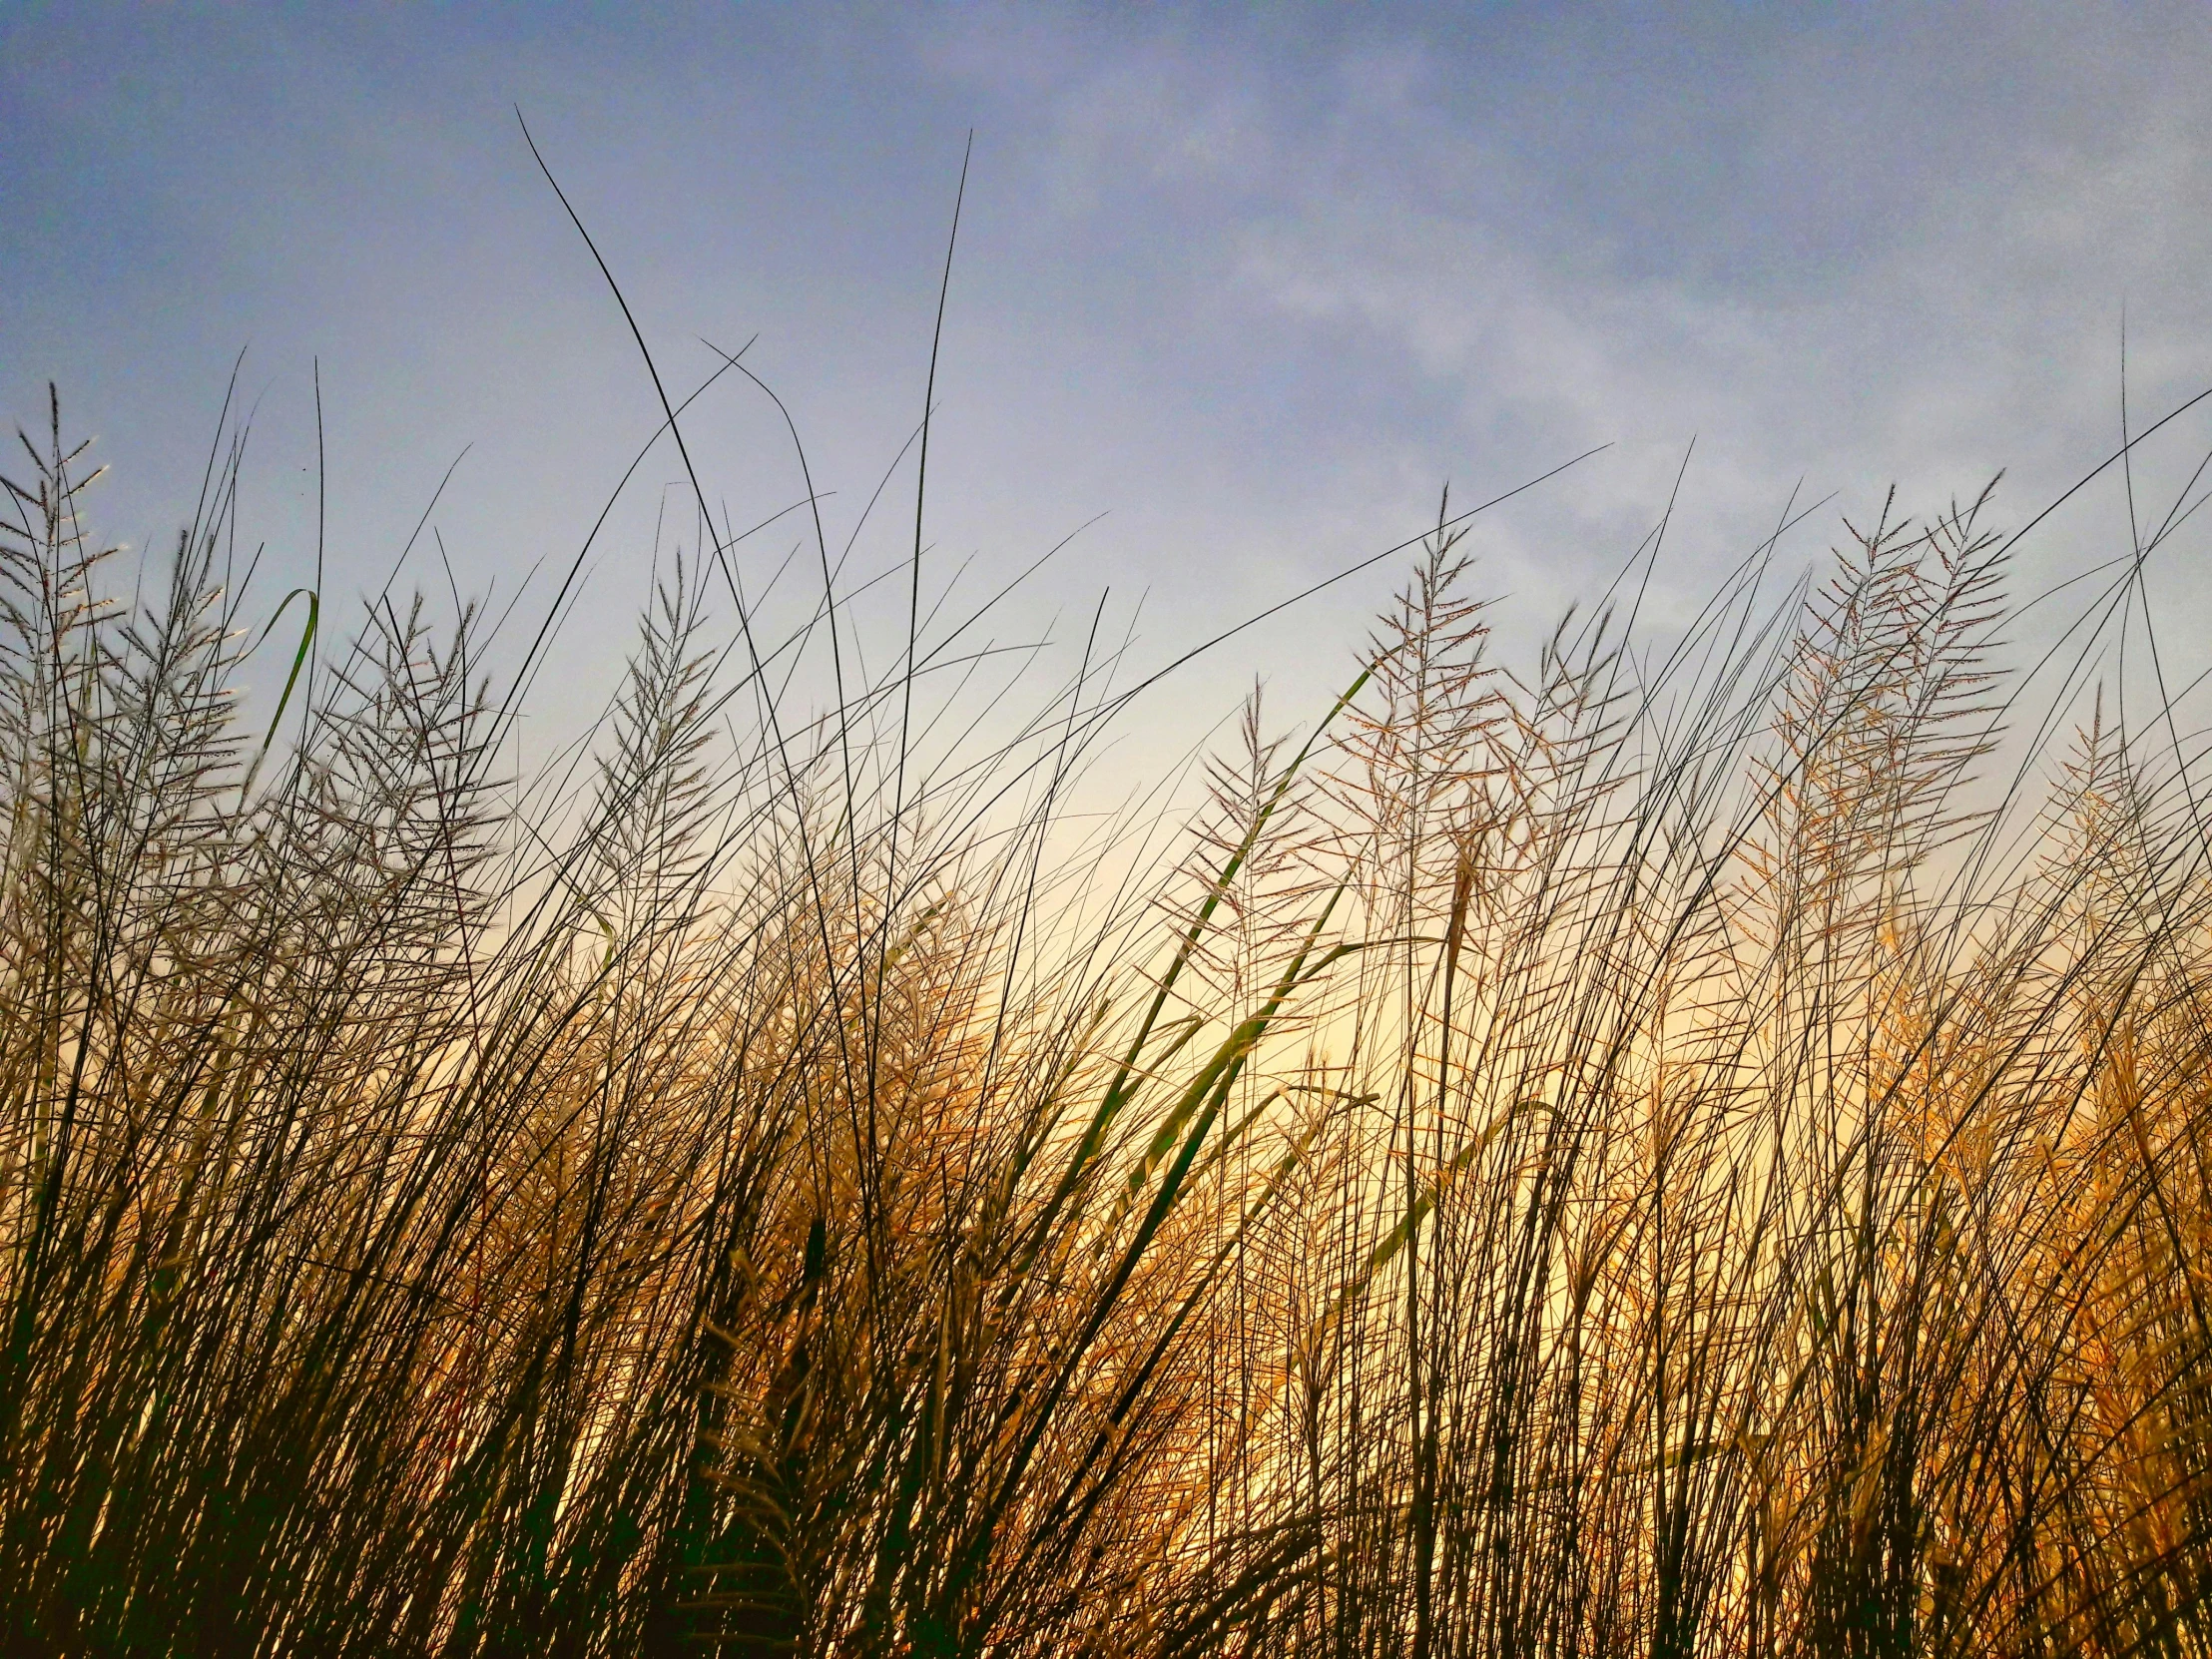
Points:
x=1654 y=1153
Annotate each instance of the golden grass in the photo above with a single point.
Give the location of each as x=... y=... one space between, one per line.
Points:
x=1646 y=1156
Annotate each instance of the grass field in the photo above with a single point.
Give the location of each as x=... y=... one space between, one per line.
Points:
x=1700 y=1150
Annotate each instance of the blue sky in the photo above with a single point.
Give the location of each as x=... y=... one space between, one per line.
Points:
x=1251 y=282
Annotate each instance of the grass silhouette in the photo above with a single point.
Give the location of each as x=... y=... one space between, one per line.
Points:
x=1654 y=1154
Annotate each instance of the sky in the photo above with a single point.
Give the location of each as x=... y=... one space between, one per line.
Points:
x=1236 y=292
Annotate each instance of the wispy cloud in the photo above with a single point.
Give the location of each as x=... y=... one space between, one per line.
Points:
x=1256 y=285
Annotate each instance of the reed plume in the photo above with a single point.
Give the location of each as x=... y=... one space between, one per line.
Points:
x=1661 y=1151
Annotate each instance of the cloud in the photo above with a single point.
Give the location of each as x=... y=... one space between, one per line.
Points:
x=1257 y=283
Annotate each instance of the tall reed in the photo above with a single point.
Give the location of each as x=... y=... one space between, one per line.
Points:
x=1654 y=1153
